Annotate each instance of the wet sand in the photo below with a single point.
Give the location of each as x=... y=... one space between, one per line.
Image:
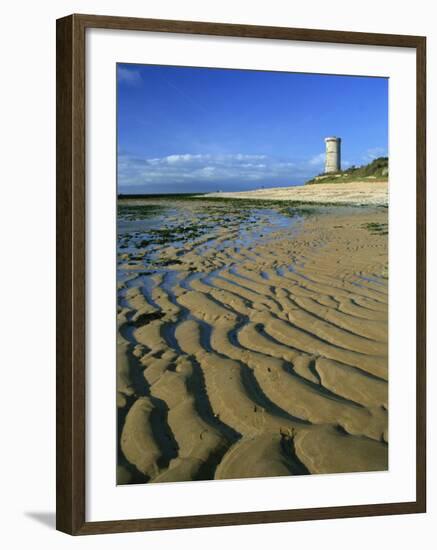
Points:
x=252 y=340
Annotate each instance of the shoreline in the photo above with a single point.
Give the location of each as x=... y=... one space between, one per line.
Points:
x=360 y=193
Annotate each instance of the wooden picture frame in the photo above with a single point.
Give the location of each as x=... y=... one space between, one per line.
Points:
x=71 y=253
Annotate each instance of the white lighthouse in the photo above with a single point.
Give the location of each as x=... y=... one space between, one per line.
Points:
x=333 y=155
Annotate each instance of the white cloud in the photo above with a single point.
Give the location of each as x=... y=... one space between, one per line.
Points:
x=175 y=159
x=197 y=158
x=180 y=170
x=128 y=75
x=317 y=160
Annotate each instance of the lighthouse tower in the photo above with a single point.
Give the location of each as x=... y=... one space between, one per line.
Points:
x=333 y=155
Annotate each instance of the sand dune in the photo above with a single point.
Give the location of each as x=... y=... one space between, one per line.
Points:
x=256 y=359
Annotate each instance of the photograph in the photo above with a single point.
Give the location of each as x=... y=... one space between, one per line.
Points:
x=225 y=208
x=252 y=274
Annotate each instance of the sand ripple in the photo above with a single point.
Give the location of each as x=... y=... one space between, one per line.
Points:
x=259 y=360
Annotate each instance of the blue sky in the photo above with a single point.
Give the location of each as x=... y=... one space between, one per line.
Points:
x=182 y=129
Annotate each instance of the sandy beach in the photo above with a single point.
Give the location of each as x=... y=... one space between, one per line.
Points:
x=252 y=336
x=357 y=193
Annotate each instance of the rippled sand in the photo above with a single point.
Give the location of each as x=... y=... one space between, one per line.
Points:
x=262 y=356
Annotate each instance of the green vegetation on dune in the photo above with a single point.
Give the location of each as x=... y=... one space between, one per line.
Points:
x=377 y=170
